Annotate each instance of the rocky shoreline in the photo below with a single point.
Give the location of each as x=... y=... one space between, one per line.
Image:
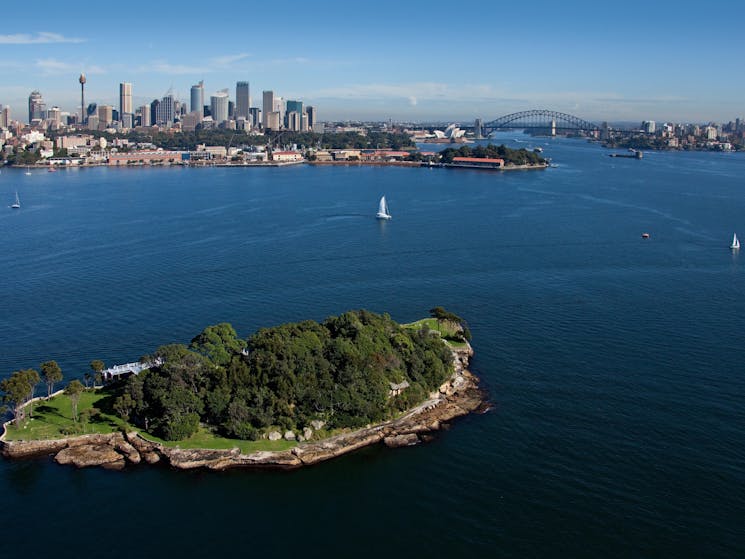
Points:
x=459 y=396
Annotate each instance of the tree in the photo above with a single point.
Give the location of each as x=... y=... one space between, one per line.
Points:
x=218 y=343
x=32 y=378
x=123 y=406
x=74 y=389
x=52 y=374
x=452 y=321
x=97 y=366
x=16 y=390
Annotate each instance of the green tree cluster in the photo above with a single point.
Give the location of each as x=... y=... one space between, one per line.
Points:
x=510 y=156
x=17 y=390
x=339 y=371
x=52 y=374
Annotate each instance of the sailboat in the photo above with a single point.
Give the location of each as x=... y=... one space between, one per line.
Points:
x=17 y=204
x=383 y=210
x=735 y=243
x=28 y=171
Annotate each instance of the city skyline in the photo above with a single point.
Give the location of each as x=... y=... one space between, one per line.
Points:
x=644 y=62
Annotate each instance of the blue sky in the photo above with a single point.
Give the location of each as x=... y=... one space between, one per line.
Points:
x=414 y=60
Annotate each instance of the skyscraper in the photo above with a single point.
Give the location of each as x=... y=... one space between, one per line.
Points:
x=294 y=122
x=36 y=107
x=312 y=116
x=125 y=99
x=242 y=100
x=154 y=112
x=279 y=107
x=165 y=112
x=268 y=107
x=197 y=99
x=5 y=117
x=145 y=115
x=54 y=115
x=219 y=106
x=105 y=114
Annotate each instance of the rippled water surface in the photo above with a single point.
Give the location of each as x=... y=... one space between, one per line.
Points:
x=614 y=365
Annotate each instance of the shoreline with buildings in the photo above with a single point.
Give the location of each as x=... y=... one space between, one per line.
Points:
x=287 y=128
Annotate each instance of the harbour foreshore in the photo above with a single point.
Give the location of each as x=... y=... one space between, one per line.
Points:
x=458 y=396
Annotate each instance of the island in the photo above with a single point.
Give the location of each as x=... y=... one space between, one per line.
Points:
x=288 y=396
x=492 y=157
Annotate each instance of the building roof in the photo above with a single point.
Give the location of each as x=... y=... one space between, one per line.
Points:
x=477 y=160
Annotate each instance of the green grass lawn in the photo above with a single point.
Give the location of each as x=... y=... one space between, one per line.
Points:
x=446 y=333
x=206 y=439
x=51 y=417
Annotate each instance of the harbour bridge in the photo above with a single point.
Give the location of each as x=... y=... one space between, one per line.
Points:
x=539 y=119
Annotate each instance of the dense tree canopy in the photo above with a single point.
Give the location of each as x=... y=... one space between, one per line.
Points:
x=339 y=371
x=510 y=156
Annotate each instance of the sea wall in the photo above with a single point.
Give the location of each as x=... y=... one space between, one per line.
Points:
x=458 y=396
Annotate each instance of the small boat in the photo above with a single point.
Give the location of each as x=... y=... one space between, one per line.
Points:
x=735 y=243
x=645 y=235
x=17 y=204
x=383 y=210
x=51 y=170
x=28 y=171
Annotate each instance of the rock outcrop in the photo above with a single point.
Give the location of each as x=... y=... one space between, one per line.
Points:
x=85 y=455
x=458 y=396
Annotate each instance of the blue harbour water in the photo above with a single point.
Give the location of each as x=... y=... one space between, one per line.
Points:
x=614 y=365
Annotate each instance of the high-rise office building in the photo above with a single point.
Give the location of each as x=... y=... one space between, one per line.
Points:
x=197 y=99
x=165 y=111
x=145 y=115
x=294 y=107
x=125 y=99
x=154 y=112
x=242 y=100
x=294 y=121
x=312 y=116
x=54 y=115
x=219 y=106
x=268 y=107
x=279 y=106
x=105 y=115
x=272 y=121
x=4 y=116
x=36 y=107
x=254 y=116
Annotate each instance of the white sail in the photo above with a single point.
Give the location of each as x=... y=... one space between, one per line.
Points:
x=735 y=242
x=383 y=210
x=17 y=203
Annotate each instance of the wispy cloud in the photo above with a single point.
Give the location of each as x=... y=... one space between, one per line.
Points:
x=229 y=59
x=163 y=67
x=54 y=67
x=39 y=38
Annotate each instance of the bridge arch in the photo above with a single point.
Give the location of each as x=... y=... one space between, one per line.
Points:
x=540 y=119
